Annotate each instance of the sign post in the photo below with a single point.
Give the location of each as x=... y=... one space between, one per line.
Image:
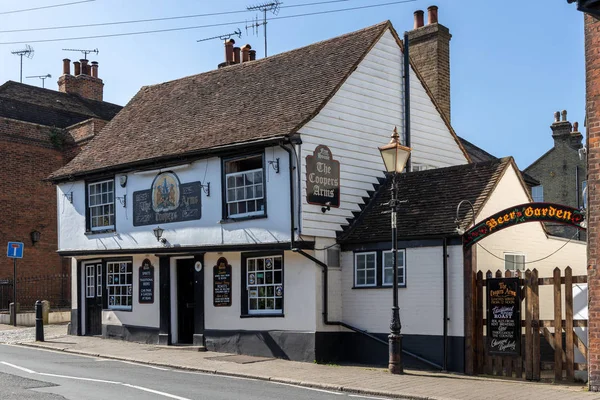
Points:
x=14 y=250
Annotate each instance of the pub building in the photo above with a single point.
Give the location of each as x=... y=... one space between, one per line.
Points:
x=214 y=214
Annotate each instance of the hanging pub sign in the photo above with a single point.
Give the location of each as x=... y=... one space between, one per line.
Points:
x=504 y=316
x=167 y=201
x=322 y=178
x=529 y=212
x=146 y=282
x=222 y=283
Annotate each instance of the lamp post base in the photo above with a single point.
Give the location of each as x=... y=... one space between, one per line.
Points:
x=395 y=349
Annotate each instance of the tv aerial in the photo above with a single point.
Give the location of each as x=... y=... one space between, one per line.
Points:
x=84 y=51
x=27 y=52
x=272 y=6
x=226 y=36
x=42 y=77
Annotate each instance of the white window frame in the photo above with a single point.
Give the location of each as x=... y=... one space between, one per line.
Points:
x=365 y=254
x=537 y=197
x=122 y=289
x=515 y=254
x=256 y=286
x=90 y=276
x=109 y=202
x=99 y=280
x=255 y=198
x=401 y=267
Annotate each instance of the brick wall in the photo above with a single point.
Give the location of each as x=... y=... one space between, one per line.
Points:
x=27 y=203
x=80 y=135
x=83 y=85
x=592 y=59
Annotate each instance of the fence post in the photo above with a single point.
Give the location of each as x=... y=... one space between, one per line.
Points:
x=479 y=320
x=528 y=335
x=536 y=358
x=557 y=326
x=570 y=351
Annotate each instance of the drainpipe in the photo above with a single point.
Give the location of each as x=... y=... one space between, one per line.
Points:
x=577 y=196
x=291 y=178
x=407 y=99
x=445 y=291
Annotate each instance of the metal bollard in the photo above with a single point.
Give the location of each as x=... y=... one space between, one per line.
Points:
x=39 y=322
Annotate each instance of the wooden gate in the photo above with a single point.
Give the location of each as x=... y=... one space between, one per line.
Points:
x=529 y=364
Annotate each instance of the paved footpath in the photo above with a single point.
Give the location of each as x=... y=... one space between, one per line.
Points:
x=356 y=379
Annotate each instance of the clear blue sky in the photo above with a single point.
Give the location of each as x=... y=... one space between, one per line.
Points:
x=513 y=62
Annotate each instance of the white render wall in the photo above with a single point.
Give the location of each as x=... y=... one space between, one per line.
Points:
x=299 y=288
x=358 y=119
x=421 y=302
x=205 y=231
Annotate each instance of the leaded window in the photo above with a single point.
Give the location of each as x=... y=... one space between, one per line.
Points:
x=119 y=285
x=264 y=281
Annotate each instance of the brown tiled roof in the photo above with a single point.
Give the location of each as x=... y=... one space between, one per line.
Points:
x=267 y=98
x=49 y=107
x=431 y=200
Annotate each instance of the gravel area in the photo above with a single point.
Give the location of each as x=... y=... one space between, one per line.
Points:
x=10 y=334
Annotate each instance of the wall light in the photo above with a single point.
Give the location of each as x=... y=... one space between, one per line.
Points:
x=35 y=237
x=158 y=231
x=69 y=197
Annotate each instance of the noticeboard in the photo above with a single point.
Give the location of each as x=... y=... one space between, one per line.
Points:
x=146 y=280
x=222 y=283
x=504 y=316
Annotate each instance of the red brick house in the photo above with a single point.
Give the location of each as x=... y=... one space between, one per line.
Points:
x=40 y=131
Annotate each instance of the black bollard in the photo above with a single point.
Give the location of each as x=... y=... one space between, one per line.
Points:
x=39 y=322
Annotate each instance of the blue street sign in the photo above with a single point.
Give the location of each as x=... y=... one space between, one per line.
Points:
x=15 y=250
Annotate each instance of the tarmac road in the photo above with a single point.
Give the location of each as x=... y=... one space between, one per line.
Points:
x=28 y=373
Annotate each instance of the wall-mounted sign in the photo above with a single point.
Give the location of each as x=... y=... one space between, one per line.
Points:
x=222 y=283
x=530 y=212
x=504 y=316
x=167 y=201
x=146 y=278
x=322 y=178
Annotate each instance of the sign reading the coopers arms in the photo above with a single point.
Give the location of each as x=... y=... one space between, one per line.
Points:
x=530 y=212
x=322 y=178
x=166 y=201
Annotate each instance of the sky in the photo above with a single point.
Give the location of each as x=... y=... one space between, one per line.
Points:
x=513 y=62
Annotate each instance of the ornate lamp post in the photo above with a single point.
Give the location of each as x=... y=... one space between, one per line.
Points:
x=395 y=157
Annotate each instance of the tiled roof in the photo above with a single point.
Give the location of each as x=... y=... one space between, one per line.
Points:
x=49 y=107
x=267 y=98
x=431 y=200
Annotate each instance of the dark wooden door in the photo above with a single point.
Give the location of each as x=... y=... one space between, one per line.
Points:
x=185 y=300
x=93 y=298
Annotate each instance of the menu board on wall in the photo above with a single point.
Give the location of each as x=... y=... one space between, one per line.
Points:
x=222 y=283
x=504 y=316
x=146 y=281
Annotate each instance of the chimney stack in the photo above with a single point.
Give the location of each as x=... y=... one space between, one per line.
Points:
x=418 y=19
x=430 y=55
x=84 y=82
x=564 y=133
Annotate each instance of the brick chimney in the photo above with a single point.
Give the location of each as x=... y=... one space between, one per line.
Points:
x=429 y=48
x=564 y=133
x=84 y=82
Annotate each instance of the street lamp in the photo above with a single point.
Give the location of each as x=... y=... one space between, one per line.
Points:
x=395 y=157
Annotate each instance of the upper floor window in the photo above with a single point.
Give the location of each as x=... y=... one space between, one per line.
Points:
x=514 y=261
x=244 y=187
x=388 y=268
x=101 y=206
x=537 y=192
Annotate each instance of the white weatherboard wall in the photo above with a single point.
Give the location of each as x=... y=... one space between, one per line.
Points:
x=421 y=301
x=299 y=294
x=205 y=231
x=358 y=119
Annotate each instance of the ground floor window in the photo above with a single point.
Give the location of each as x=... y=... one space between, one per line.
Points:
x=375 y=269
x=263 y=284
x=514 y=261
x=119 y=285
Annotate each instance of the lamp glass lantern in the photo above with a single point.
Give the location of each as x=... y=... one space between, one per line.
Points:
x=395 y=156
x=158 y=231
x=35 y=236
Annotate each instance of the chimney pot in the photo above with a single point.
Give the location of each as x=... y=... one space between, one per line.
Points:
x=66 y=66
x=236 y=55
x=95 y=69
x=419 y=19
x=557 y=116
x=229 y=51
x=85 y=68
x=575 y=127
x=76 y=68
x=252 y=55
x=246 y=52
x=432 y=15
x=564 y=115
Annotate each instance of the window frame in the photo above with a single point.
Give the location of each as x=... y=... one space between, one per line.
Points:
x=537 y=198
x=107 y=286
x=365 y=253
x=225 y=208
x=245 y=295
x=88 y=216
x=403 y=267
x=513 y=253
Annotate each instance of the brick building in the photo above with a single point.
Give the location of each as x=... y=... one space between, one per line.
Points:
x=561 y=172
x=40 y=131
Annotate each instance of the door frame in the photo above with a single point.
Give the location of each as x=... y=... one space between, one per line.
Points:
x=83 y=303
x=198 y=335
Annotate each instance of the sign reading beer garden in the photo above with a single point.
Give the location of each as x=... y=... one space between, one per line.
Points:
x=529 y=212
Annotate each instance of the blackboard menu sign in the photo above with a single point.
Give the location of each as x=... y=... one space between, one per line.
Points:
x=222 y=283
x=322 y=178
x=146 y=277
x=167 y=201
x=504 y=316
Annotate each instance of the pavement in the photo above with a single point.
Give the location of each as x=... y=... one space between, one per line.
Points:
x=372 y=381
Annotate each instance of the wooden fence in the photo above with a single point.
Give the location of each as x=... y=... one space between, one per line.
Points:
x=530 y=360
